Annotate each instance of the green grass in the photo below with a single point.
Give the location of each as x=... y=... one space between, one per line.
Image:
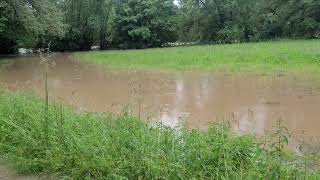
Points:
x=273 y=56
x=82 y=145
x=4 y=64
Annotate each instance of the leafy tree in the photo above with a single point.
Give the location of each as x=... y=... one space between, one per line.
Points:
x=80 y=24
x=245 y=20
x=106 y=16
x=142 y=24
x=23 y=23
x=87 y=21
x=301 y=18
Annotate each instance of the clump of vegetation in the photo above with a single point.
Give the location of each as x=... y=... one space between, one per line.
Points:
x=5 y=63
x=279 y=56
x=84 y=145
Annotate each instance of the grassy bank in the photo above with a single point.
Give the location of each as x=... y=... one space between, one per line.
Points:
x=286 y=55
x=78 y=145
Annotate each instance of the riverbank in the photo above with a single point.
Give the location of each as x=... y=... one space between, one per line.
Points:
x=79 y=145
x=263 y=57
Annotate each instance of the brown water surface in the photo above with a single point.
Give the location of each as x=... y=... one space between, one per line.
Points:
x=254 y=102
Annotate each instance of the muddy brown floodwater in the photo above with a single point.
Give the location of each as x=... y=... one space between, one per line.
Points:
x=254 y=102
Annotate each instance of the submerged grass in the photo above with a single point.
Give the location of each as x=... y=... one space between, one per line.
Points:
x=262 y=57
x=5 y=63
x=83 y=145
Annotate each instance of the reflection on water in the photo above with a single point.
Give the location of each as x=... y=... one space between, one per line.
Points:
x=197 y=99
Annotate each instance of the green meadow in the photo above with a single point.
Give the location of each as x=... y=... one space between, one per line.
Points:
x=260 y=57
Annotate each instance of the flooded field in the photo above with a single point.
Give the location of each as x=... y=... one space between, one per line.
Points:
x=252 y=102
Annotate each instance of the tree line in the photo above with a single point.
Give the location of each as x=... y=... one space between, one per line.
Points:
x=79 y=24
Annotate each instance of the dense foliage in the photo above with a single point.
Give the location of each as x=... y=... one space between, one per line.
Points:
x=26 y=23
x=77 y=145
x=141 y=24
x=245 y=20
x=80 y=24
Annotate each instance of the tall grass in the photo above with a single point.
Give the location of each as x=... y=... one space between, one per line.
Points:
x=103 y=146
x=283 y=56
x=44 y=56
